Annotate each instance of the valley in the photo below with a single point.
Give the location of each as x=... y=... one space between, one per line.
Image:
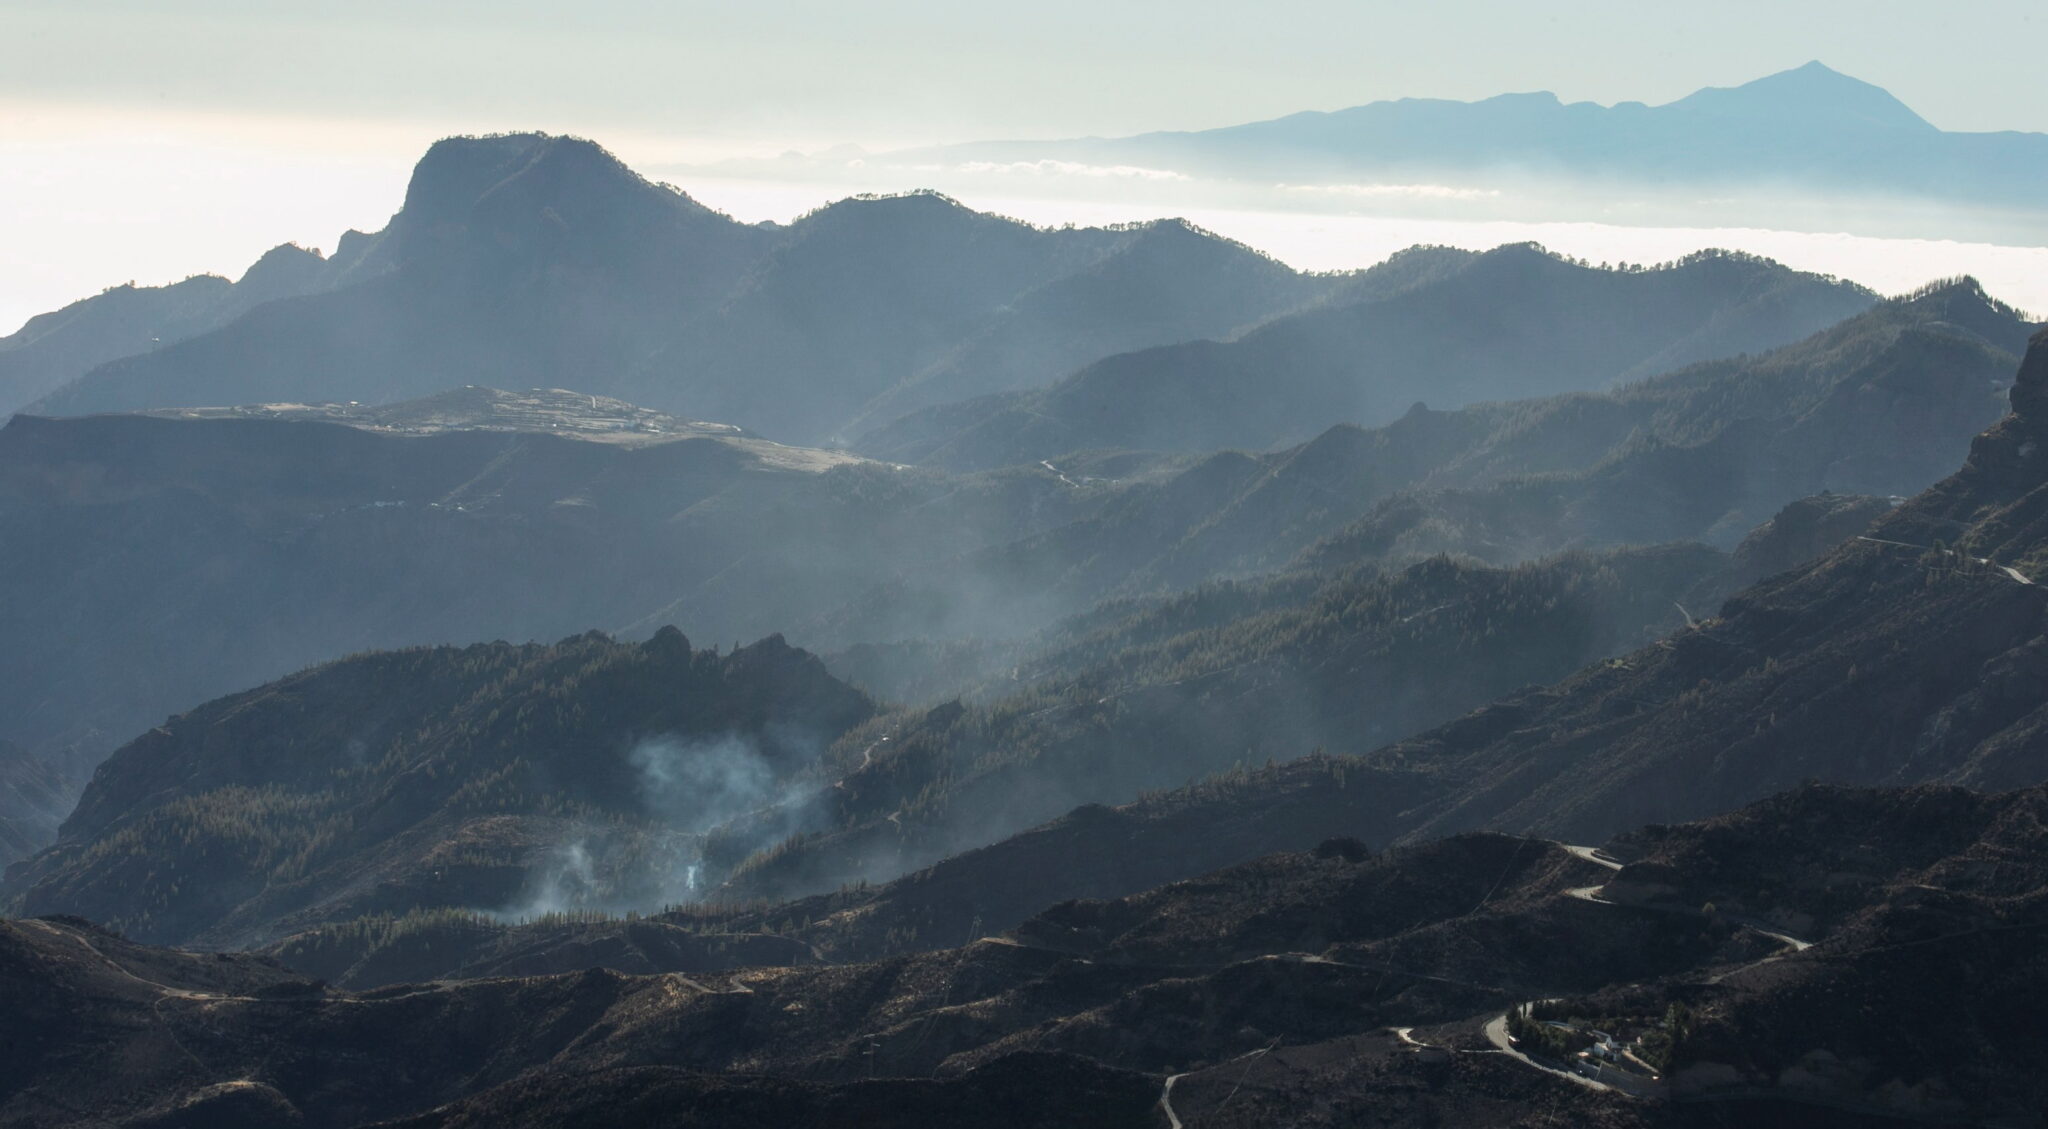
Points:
x=571 y=657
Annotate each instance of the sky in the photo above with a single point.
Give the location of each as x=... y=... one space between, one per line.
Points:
x=151 y=139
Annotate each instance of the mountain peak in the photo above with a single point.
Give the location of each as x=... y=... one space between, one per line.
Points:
x=922 y=202
x=285 y=268
x=457 y=170
x=1814 y=93
x=2030 y=387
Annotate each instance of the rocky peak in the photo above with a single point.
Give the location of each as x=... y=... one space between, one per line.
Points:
x=2030 y=387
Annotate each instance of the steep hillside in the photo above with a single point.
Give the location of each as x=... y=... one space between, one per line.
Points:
x=1515 y=322
x=1169 y=283
x=1309 y=987
x=491 y=777
x=1890 y=660
x=910 y=299
x=1885 y=403
x=305 y=801
x=1220 y=680
x=515 y=260
x=150 y=563
x=34 y=798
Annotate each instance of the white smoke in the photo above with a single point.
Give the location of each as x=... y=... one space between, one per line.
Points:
x=688 y=787
x=697 y=784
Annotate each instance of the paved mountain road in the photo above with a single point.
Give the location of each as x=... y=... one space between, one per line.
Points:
x=2010 y=572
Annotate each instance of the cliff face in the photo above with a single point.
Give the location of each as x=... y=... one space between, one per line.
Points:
x=34 y=796
x=1803 y=531
x=1997 y=505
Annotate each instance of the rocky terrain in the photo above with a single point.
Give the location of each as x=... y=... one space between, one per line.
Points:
x=1134 y=683
x=1307 y=985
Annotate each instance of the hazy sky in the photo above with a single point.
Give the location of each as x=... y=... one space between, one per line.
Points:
x=883 y=71
x=151 y=138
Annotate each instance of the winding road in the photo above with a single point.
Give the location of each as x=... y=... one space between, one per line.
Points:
x=1166 y=1091
x=1594 y=855
x=1061 y=474
x=1497 y=1034
x=1497 y=1027
x=2010 y=572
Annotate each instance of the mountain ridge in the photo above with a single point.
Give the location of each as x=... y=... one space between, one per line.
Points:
x=521 y=259
x=1796 y=149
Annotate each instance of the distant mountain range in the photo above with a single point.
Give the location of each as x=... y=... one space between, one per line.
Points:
x=1133 y=697
x=529 y=260
x=1436 y=326
x=154 y=561
x=1482 y=689
x=1808 y=132
x=533 y=261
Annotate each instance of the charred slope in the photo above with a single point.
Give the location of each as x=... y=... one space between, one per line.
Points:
x=1265 y=989
x=476 y=777
x=1516 y=321
x=1222 y=678
x=774 y=1036
x=1891 y=660
x=229 y=1041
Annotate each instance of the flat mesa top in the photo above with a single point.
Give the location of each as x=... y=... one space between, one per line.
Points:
x=552 y=411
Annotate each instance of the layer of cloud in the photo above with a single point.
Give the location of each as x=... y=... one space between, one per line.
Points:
x=1392 y=191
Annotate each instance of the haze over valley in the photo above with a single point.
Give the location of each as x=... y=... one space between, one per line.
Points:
x=1455 y=611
